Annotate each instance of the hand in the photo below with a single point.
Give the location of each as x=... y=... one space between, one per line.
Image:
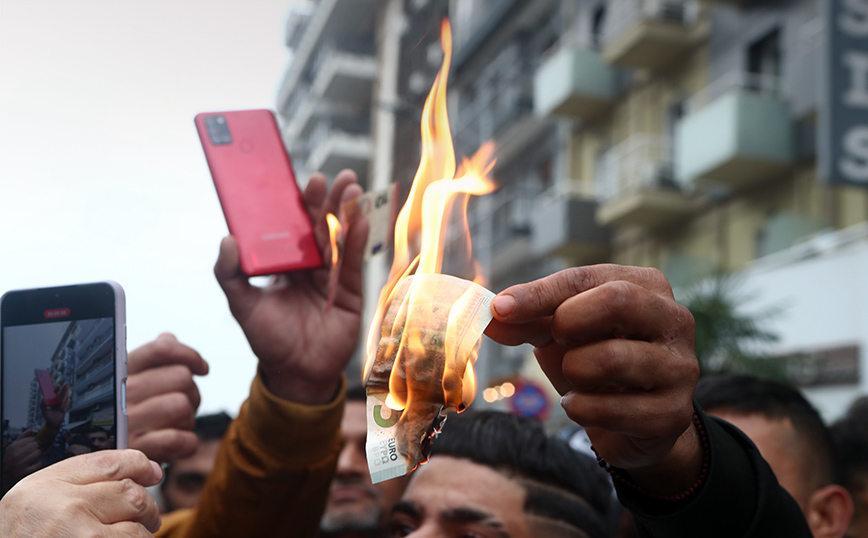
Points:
x=302 y=349
x=162 y=398
x=98 y=494
x=616 y=345
x=55 y=414
x=20 y=458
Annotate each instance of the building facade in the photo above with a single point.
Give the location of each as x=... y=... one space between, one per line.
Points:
x=678 y=134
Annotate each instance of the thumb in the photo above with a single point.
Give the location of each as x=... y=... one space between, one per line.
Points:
x=26 y=433
x=239 y=292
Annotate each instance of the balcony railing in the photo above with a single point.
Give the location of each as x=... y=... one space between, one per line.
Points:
x=635 y=183
x=737 y=132
x=652 y=34
x=574 y=81
x=564 y=223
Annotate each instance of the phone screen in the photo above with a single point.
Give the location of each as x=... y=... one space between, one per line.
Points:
x=59 y=372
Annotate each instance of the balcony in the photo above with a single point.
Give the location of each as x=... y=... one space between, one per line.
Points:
x=652 y=34
x=741 y=138
x=564 y=224
x=636 y=187
x=574 y=81
x=345 y=74
x=334 y=147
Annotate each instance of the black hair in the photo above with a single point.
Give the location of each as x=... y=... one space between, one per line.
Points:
x=97 y=429
x=850 y=435
x=80 y=440
x=743 y=394
x=356 y=393
x=561 y=484
x=209 y=427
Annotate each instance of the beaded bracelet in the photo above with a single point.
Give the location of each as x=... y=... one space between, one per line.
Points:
x=618 y=475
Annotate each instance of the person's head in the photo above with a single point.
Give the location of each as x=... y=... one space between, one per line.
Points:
x=493 y=474
x=184 y=478
x=850 y=434
x=791 y=436
x=78 y=444
x=355 y=507
x=99 y=438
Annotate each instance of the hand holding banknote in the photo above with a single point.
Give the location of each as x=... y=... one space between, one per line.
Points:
x=302 y=349
x=616 y=345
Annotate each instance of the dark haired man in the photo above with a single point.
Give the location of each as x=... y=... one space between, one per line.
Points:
x=99 y=438
x=356 y=508
x=496 y=474
x=792 y=438
x=184 y=478
x=850 y=434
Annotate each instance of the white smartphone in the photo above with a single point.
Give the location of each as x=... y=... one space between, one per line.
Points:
x=63 y=370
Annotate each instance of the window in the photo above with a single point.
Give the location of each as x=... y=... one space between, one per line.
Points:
x=764 y=62
x=597 y=21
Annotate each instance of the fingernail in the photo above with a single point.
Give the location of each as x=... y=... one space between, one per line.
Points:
x=503 y=305
x=158 y=471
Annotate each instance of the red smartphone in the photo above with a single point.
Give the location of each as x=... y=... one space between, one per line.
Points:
x=260 y=197
x=47 y=387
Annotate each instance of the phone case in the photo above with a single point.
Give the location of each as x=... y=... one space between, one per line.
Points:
x=46 y=386
x=258 y=192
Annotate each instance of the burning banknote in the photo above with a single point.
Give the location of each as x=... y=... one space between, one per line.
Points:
x=427 y=339
x=423 y=338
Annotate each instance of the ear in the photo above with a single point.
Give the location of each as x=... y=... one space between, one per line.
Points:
x=829 y=512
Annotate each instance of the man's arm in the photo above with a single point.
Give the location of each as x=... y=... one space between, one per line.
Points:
x=277 y=459
x=616 y=345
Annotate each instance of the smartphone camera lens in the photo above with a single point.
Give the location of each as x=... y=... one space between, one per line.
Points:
x=218 y=130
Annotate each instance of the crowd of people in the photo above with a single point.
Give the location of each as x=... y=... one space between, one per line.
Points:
x=676 y=455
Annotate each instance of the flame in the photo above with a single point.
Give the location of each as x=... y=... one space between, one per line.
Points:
x=437 y=194
x=334 y=232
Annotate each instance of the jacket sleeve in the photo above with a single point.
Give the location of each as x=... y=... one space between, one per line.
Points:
x=272 y=473
x=741 y=497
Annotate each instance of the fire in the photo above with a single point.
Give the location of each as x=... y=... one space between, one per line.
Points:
x=440 y=190
x=334 y=232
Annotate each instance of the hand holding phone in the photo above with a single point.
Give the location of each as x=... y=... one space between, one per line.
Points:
x=63 y=355
x=258 y=192
x=46 y=385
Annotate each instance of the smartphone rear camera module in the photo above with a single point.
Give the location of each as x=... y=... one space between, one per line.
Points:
x=218 y=130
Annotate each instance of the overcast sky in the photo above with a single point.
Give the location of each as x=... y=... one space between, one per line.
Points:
x=101 y=172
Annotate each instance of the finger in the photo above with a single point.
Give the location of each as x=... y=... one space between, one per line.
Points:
x=123 y=500
x=641 y=415
x=165 y=350
x=30 y=453
x=619 y=309
x=540 y=298
x=239 y=292
x=315 y=191
x=171 y=410
x=619 y=365
x=162 y=380
x=63 y=394
x=108 y=465
x=354 y=248
x=129 y=529
x=551 y=361
x=537 y=332
x=26 y=433
x=331 y=204
x=166 y=444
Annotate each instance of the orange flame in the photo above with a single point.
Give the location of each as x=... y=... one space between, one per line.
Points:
x=334 y=232
x=420 y=234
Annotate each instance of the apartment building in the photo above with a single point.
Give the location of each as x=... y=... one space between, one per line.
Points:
x=685 y=135
x=324 y=100
x=696 y=124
